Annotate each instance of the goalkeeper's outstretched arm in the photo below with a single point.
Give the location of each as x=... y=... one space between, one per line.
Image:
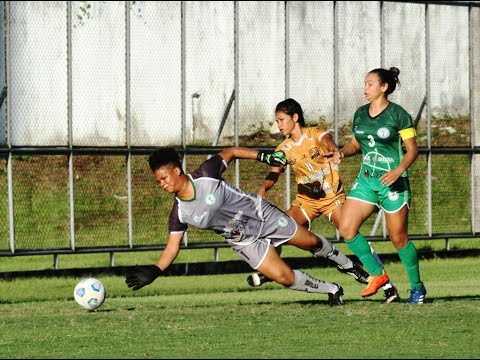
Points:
x=169 y=254
x=276 y=158
x=141 y=275
x=270 y=180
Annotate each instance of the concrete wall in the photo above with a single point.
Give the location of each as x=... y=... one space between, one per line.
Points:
x=165 y=71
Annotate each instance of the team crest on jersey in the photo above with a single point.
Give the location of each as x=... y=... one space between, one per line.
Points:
x=210 y=199
x=314 y=153
x=393 y=195
x=282 y=221
x=383 y=133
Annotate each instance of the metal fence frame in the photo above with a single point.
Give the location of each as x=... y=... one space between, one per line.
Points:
x=70 y=151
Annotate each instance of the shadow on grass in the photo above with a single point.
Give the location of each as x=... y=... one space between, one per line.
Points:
x=220 y=267
x=428 y=300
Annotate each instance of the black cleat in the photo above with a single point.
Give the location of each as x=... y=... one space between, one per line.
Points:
x=335 y=299
x=392 y=295
x=356 y=272
x=257 y=279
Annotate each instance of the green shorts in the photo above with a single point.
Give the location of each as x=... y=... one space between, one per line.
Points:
x=389 y=198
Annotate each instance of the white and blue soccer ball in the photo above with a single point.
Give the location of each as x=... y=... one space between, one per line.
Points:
x=89 y=293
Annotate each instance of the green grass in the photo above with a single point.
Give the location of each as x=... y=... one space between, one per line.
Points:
x=220 y=316
x=69 y=261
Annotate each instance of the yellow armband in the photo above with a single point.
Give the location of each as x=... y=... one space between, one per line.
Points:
x=407 y=133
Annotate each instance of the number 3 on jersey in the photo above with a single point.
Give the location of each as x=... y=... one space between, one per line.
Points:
x=371 y=143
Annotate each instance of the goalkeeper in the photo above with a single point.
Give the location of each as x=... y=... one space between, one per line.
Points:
x=250 y=224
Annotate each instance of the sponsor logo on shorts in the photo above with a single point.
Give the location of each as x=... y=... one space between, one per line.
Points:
x=282 y=221
x=393 y=195
x=383 y=133
x=210 y=199
x=374 y=157
x=234 y=222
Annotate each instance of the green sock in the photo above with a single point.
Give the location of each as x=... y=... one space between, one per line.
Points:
x=360 y=247
x=409 y=258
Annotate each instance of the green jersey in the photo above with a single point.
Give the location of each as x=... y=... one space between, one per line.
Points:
x=379 y=138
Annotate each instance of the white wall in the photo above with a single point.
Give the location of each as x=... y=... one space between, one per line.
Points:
x=39 y=77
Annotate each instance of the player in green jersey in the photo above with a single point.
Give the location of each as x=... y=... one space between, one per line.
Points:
x=379 y=130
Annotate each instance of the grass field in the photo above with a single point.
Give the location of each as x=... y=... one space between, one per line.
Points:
x=220 y=316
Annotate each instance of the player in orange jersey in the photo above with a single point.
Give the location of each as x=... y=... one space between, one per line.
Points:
x=309 y=151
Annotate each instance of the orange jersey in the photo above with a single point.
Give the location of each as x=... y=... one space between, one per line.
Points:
x=316 y=178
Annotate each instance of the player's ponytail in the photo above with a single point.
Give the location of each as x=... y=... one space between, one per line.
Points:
x=389 y=77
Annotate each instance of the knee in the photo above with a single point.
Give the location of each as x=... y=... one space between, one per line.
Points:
x=399 y=241
x=347 y=232
x=285 y=278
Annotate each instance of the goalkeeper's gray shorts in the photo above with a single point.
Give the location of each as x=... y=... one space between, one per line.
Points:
x=278 y=228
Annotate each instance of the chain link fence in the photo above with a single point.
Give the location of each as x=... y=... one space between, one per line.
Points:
x=91 y=87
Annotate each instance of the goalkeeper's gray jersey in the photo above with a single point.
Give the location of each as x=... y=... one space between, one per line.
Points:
x=238 y=216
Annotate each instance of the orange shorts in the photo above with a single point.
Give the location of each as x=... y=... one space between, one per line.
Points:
x=314 y=208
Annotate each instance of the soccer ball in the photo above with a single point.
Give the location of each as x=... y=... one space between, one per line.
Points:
x=90 y=293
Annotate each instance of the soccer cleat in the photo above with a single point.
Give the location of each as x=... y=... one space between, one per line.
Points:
x=417 y=296
x=356 y=272
x=375 y=283
x=257 y=279
x=335 y=299
x=392 y=294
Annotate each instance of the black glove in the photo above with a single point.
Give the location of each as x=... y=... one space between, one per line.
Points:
x=273 y=159
x=139 y=276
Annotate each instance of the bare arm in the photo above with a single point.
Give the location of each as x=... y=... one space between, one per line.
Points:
x=141 y=275
x=327 y=140
x=350 y=149
x=270 y=180
x=169 y=254
x=276 y=158
x=231 y=153
x=333 y=153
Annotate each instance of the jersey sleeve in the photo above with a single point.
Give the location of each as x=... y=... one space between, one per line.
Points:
x=404 y=119
x=405 y=124
x=212 y=168
x=321 y=132
x=280 y=146
x=355 y=116
x=174 y=223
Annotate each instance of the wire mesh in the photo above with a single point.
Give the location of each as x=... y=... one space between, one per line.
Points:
x=101 y=75
x=41 y=202
x=4 y=228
